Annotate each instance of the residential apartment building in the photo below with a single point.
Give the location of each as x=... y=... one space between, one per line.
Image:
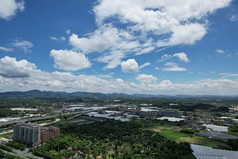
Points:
x=48 y=133
x=27 y=133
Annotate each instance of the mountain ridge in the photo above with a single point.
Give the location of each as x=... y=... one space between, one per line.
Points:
x=52 y=94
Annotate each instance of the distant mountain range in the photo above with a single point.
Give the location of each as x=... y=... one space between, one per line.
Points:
x=51 y=94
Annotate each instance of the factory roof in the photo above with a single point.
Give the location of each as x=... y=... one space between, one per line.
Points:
x=217 y=135
x=205 y=152
x=216 y=127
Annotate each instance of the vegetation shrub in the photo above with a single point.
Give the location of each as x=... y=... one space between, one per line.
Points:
x=16 y=145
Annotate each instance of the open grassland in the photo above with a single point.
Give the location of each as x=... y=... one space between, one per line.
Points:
x=172 y=132
x=200 y=140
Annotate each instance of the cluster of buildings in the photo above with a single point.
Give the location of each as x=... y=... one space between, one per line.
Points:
x=148 y=112
x=116 y=115
x=33 y=134
x=201 y=120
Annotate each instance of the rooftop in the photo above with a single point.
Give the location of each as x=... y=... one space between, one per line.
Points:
x=29 y=124
x=217 y=135
x=216 y=127
x=172 y=119
x=205 y=152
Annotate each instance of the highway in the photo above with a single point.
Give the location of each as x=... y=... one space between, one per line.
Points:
x=40 y=118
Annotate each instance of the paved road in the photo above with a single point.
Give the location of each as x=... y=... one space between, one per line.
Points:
x=6 y=132
x=42 y=124
x=40 y=118
x=24 y=154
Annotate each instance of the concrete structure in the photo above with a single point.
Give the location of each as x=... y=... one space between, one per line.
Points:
x=27 y=133
x=48 y=133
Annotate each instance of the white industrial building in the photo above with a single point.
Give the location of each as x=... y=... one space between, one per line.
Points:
x=216 y=128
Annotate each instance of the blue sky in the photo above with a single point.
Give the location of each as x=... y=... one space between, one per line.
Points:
x=128 y=46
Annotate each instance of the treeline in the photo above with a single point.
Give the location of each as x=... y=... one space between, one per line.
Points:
x=192 y=107
x=188 y=131
x=233 y=129
x=233 y=143
x=8 y=156
x=16 y=145
x=112 y=139
x=6 y=148
x=6 y=112
x=26 y=103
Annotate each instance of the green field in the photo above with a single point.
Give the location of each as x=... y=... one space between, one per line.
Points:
x=172 y=132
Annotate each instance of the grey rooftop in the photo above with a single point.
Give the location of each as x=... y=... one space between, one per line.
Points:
x=205 y=152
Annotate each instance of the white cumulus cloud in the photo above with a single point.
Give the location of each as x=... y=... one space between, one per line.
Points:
x=136 y=27
x=185 y=34
x=62 y=38
x=143 y=78
x=219 y=51
x=6 y=49
x=11 y=68
x=8 y=8
x=104 y=38
x=113 y=59
x=170 y=66
x=23 y=75
x=130 y=66
x=182 y=56
x=68 y=31
x=145 y=64
x=24 y=45
x=233 y=18
x=150 y=11
x=69 y=60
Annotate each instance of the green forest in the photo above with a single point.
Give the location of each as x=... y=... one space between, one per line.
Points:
x=111 y=139
x=5 y=112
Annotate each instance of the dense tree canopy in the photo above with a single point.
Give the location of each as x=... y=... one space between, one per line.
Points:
x=112 y=139
x=5 y=112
